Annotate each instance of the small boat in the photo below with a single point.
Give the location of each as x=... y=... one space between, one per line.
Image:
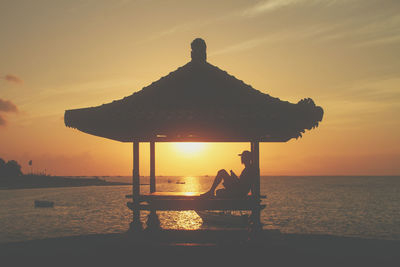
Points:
x=180 y=182
x=226 y=218
x=44 y=204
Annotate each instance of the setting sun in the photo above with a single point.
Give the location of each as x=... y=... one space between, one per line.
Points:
x=190 y=148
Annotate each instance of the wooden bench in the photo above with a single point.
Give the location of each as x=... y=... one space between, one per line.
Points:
x=193 y=201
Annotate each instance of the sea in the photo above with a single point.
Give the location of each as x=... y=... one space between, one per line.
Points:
x=352 y=206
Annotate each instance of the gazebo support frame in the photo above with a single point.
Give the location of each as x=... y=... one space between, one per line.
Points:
x=136 y=224
x=173 y=203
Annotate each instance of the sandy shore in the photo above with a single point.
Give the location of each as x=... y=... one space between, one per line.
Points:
x=203 y=247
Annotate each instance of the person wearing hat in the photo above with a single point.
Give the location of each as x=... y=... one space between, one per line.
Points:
x=234 y=186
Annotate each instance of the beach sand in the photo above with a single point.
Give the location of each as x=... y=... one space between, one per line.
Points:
x=202 y=247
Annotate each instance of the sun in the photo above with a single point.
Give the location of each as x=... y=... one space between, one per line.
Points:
x=190 y=148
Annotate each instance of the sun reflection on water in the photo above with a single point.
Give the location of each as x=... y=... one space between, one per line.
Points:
x=191 y=186
x=183 y=220
x=187 y=220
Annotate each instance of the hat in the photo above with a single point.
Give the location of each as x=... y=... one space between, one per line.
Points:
x=245 y=153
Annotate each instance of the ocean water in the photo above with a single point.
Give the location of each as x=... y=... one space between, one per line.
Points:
x=367 y=207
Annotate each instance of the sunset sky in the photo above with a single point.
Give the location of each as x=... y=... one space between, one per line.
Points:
x=344 y=54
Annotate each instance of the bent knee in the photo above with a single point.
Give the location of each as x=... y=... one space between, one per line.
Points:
x=222 y=172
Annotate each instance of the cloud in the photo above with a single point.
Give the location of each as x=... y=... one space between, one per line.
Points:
x=245 y=45
x=356 y=22
x=267 y=6
x=7 y=106
x=274 y=37
x=3 y=121
x=12 y=78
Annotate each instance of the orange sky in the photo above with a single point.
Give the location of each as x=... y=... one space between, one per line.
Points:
x=59 y=55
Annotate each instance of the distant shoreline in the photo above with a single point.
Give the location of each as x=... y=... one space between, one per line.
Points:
x=47 y=181
x=31 y=181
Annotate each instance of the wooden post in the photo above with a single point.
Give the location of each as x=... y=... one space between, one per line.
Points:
x=136 y=224
x=152 y=167
x=255 y=151
x=153 y=223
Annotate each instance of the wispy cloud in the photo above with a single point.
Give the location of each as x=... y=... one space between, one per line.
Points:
x=267 y=6
x=3 y=121
x=342 y=22
x=380 y=41
x=383 y=91
x=334 y=20
x=6 y=106
x=384 y=31
x=241 y=46
x=237 y=14
x=189 y=26
x=11 y=78
x=170 y=31
x=273 y=37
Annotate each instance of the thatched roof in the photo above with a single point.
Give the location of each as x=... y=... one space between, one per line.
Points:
x=197 y=102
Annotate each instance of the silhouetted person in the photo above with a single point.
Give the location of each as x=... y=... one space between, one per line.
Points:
x=234 y=186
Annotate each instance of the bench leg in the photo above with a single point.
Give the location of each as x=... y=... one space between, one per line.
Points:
x=153 y=223
x=136 y=224
x=255 y=227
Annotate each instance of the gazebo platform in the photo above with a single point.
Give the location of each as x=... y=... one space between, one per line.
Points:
x=200 y=247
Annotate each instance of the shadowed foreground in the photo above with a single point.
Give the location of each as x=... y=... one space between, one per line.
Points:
x=204 y=247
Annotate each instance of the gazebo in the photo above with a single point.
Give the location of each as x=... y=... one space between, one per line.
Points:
x=198 y=102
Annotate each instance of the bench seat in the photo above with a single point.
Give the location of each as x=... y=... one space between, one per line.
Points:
x=193 y=201
x=178 y=195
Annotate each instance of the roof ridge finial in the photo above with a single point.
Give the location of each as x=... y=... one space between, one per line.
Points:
x=199 y=48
